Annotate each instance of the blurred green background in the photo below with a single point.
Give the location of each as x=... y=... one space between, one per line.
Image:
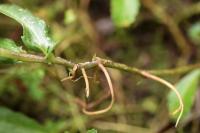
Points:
x=139 y=35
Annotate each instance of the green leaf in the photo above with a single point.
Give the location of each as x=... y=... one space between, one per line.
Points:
x=92 y=131
x=194 y=33
x=124 y=12
x=35 y=32
x=187 y=88
x=9 y=45
x=12 y=122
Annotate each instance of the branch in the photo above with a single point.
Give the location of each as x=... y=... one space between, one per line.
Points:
x=88 y=65
x=174 y=71
x=33 y=58
x=193 y=9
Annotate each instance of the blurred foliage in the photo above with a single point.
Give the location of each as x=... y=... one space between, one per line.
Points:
x=194 y=33
x=32 y=81
x=124 y=12
x=92 y=131
x=11 y=122
x=70 y=16
x=122 y=30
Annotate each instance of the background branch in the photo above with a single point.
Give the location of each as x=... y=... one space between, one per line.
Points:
x=167 y=20
x=187 y=12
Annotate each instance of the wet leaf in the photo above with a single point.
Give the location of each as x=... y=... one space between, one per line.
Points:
x=35 y=32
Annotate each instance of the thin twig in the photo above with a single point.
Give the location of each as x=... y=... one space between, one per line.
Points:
x=88 y=65
x=175 y=71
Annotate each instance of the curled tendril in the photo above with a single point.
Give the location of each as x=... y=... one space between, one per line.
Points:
x=169 y=85
x=111 y=92
x=87 y=87
x=144 y=73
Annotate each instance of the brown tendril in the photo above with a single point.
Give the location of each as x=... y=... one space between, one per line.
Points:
x=169 y=85
x=87 y=87
x=111 y=92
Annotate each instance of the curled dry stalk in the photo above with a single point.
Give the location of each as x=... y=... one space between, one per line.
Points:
x=87 y=87
x=169 y=85
x=111 y=92
x=141 y=72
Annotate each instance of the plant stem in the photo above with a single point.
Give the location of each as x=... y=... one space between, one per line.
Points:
x=173 y=71
x=88 y=65
x=33 y=58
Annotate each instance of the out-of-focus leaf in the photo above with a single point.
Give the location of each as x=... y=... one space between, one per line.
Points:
x=187 y=87
x=12 y=122
x=35 y=32
x=70 y=16
x=124 y=12
x=32 y=80
x=194 y=33
x=92 y=131
x=56 y=126
x=9 y=45
x=149 y=104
